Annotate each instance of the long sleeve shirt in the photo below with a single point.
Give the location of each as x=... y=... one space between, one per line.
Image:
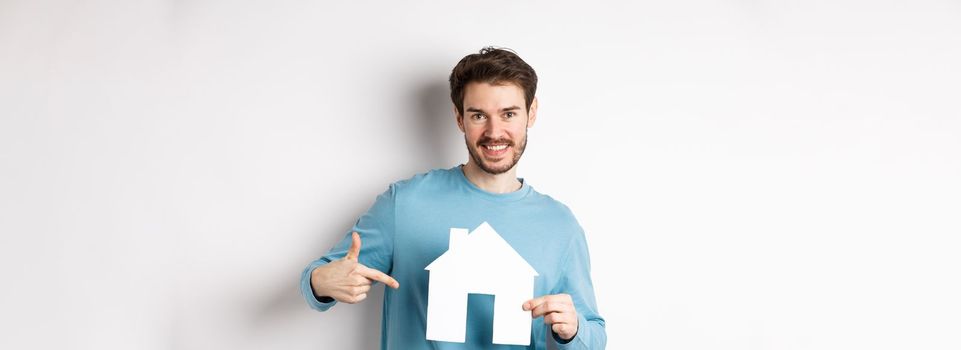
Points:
x=408 y=227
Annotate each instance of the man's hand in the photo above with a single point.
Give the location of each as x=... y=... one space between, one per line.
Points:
x=347 y=280
x=558 y=311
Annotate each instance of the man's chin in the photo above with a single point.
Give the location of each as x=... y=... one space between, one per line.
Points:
x=494 y=166
x=495 y=169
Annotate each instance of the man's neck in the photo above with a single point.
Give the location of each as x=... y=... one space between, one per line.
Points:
x=505 y=182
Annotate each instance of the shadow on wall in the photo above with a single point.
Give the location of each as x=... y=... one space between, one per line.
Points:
x=284 y=304
x=438 y=126
x=435 y=127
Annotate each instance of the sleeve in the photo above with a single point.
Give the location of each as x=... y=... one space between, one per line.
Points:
x=576 y=281
x=376 y=229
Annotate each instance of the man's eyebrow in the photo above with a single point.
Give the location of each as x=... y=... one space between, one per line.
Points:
x=505 y=109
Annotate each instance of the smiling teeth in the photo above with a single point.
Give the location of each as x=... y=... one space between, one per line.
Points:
x=496 y=148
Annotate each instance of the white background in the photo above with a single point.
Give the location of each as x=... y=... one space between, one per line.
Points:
x=750 y=174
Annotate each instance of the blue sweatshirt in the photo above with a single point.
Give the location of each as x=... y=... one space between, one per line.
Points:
x=408 y=226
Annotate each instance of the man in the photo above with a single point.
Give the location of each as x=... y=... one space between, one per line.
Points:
x=408 y=225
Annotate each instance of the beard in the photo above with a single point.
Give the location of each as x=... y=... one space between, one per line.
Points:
x=490 y=168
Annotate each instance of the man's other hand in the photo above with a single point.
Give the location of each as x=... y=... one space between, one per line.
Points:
x=558 y=311
x=346 y=280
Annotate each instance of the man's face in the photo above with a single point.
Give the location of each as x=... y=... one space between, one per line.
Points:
x=495 y=123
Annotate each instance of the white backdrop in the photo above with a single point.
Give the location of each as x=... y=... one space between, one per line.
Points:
x=750 y=174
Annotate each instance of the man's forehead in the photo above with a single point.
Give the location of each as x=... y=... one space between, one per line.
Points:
x=485 y=96
x=497 y=85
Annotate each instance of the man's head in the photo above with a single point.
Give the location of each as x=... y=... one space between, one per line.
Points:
x=493 y=96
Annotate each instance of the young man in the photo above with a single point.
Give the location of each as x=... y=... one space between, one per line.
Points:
x=409 y=226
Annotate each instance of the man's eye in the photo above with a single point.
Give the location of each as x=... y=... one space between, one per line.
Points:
x=510 y=114
x=478 y=116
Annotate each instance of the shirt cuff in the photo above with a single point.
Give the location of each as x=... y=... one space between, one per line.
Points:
x=308 y=292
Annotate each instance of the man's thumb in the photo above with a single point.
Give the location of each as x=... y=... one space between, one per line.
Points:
x=354 y=251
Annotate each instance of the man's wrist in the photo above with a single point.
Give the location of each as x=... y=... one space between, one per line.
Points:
x=321 y=298
x=560 y=340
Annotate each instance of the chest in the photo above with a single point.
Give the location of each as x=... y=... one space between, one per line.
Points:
x=424 y=233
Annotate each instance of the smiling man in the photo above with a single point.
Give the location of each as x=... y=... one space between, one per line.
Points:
x=407 y=227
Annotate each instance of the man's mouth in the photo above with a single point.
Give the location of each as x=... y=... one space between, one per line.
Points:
x=495 y=149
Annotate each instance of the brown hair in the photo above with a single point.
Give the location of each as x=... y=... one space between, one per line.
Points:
x=493 y=66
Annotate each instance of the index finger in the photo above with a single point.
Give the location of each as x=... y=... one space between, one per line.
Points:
x=377 y=276
x=531 y=304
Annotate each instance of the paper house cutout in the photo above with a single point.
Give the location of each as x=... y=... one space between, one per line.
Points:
x=479 y=262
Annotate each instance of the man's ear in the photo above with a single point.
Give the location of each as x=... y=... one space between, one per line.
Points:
x=532 y=114
x=460 y=120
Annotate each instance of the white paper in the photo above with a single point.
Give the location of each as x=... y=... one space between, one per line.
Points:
x=479 y=262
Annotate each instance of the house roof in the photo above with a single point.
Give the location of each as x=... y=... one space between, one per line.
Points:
x=483 y=246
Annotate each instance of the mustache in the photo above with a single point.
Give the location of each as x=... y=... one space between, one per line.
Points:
x=497 y=141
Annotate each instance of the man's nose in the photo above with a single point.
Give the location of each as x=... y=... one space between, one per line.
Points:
x=495 y=128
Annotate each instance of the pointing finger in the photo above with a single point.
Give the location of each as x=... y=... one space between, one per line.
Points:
x=377 y=276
